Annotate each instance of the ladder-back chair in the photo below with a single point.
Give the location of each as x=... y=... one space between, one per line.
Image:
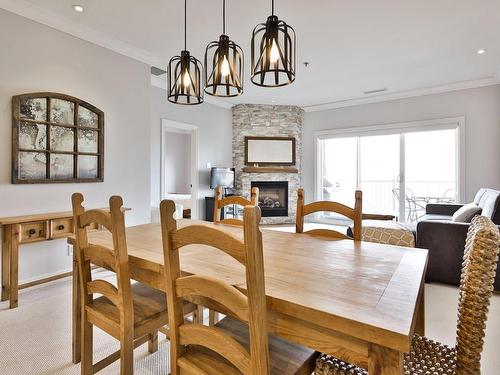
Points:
x=355 y=214
x=220 y=203
x=225 y=348
x=131 y=313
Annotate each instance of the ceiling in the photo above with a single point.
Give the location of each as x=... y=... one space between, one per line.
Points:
x=351 y=46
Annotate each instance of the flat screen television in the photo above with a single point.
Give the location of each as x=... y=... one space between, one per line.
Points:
x=223 y=177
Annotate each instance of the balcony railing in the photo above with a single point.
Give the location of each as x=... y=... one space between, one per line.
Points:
x=382 y=196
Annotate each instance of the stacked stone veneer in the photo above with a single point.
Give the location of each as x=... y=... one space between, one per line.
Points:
x=267 y=121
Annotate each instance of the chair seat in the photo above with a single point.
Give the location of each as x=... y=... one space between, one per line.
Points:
x=285 y=358
x=426 y=357
x=150 y=311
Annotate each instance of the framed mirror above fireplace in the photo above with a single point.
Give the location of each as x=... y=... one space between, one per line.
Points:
x=270 y=151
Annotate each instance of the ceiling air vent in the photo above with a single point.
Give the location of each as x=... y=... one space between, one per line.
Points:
x=157 y=71
x=374 y=91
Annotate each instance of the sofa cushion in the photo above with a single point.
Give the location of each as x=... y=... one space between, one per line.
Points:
x=489 y=202
x=479 y=195
x=465 y=213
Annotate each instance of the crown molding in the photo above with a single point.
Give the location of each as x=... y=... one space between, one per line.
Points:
x=48 y=18
x=162 y=84
x=407 y=94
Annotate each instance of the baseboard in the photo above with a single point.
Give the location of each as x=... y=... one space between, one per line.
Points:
x=39 y=279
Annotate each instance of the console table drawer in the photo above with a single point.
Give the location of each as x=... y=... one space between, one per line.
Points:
x=33 y=232
x=61 y=228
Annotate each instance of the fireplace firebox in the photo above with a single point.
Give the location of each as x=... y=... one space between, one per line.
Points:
x=273 y=197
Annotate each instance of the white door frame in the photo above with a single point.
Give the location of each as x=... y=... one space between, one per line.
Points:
x=457 y=123
x=181 y=127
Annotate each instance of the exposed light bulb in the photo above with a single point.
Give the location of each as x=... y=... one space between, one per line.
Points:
x=224 y=68
x=78 y=8
x=275 y=53
x=186 y=80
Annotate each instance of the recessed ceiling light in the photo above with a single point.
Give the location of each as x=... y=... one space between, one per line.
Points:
x=481 y=51
x=78 y=8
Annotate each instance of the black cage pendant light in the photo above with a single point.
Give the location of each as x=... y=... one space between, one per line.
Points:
x=273 y=53
x=185 y=75
x=224 y=65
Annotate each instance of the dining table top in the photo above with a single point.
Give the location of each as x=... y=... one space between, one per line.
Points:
x=368 y=290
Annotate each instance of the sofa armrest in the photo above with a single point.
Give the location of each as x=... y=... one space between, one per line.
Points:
x=441 y=208
x=445 y=241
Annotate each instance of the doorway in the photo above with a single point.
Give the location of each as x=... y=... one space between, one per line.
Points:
x=179 y=174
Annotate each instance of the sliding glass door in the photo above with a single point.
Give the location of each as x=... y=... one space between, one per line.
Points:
x=399 y=171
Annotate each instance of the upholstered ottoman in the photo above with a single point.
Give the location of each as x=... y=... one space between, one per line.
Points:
x=387 y=232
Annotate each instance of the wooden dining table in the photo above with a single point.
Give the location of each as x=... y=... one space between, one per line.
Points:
x=359 y=301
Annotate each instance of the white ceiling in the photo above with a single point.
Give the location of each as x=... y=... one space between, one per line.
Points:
x=352 y=45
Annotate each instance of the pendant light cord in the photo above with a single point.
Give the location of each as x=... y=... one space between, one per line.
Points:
x=272 y=8
x=185 y=25
x=224 y=17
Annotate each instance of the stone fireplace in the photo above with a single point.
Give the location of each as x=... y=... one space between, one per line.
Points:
x=273 y=197
x=268 y=121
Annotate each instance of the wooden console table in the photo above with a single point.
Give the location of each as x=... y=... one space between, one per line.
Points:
x=18 y=230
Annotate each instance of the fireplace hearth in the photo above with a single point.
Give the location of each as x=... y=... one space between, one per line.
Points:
x=273 y=197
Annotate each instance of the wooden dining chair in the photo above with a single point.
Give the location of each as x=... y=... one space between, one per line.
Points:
x=428 y=357
x=220 y=203
x=238 y=344
x=131 y=313
x=355 y=214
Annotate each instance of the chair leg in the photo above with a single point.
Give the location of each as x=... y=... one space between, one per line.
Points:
x=200 y=314
x=213 y=317
x=126 y=355
x=87 y=366
x=153 y=342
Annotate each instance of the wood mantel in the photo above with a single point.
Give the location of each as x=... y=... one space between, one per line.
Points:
x=270 y=170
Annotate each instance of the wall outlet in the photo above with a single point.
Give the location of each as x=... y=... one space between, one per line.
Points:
x=209 y=165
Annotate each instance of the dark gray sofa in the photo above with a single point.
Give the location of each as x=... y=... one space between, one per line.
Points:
x=445 y=239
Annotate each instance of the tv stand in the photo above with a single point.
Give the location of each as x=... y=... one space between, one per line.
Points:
x=209 y=209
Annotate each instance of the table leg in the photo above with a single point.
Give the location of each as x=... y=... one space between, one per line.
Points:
x=76 y=313
x=384 y=361
x=420 y=323
x=14 y=265
x=6 y=245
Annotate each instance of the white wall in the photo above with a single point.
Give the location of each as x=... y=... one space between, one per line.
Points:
x=481 y=108
x=215 y=134
x=178 y=163
x=38 y=58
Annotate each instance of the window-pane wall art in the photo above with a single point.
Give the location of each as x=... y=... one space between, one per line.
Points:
x=56 y=138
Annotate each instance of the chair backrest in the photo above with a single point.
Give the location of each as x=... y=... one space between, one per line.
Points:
x=355 y=214
x=220 y=203
x=249 y=308
x=115 y=259
x=476 y=287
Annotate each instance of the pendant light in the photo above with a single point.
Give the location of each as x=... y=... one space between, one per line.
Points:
x=225 y=77
x=185 y=75
x=273 y=58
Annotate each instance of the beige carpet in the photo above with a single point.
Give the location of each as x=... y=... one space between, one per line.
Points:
x=36 y=337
